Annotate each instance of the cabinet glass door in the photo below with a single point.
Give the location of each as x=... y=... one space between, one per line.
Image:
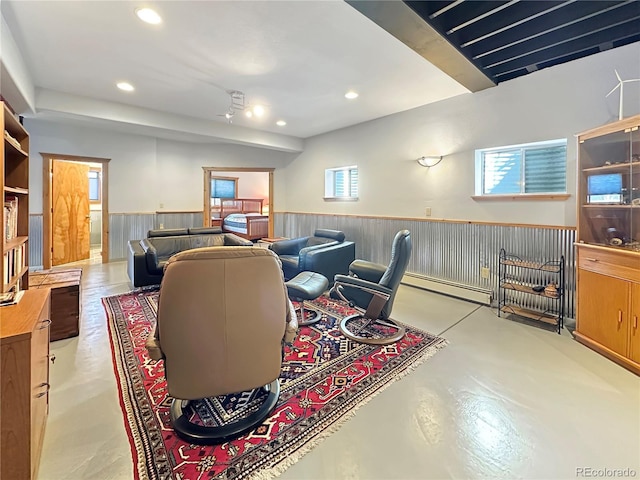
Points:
x=609 y=168
x=634 y=189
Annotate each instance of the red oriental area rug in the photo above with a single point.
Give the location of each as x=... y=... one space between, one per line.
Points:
x=325 y=378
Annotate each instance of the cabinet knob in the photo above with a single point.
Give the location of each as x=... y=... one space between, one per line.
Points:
x=591 y=259
x=619 y=316
x=44 y=324
x=46 y=390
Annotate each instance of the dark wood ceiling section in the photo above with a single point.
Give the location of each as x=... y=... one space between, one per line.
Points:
x=507 y=39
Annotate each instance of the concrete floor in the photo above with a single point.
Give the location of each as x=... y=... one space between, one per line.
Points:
x=502 y=400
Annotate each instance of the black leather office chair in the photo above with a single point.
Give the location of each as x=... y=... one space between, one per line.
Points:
x=371 y=288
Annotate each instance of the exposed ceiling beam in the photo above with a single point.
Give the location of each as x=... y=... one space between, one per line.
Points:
x=402 y=22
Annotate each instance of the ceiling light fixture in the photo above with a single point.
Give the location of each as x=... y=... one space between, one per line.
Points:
x=430 y=161
x=148 y=15
x=238 y=105
x=281 y=123
x=258 y=110
x=351 y=95
x=127 y=87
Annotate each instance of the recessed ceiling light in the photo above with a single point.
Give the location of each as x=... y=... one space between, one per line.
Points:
x=351 y=95
x=258 y=110
x=249 y=113
x=148 y=15
x=281 y=123
x=127 y=87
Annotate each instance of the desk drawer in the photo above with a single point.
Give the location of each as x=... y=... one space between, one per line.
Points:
x=625 y=267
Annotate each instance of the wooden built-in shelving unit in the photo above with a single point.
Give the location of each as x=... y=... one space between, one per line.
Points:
x=14 y=228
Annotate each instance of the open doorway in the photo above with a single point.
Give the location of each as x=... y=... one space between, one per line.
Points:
x=75 y=209
x=234 y=190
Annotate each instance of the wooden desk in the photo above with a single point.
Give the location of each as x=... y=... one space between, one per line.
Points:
x=24 y=392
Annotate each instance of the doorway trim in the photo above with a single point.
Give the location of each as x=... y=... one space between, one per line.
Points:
x=207 y=190
x=47 y=202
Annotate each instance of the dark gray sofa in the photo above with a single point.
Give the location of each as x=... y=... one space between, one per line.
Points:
x=146 y=258
x=325 y=252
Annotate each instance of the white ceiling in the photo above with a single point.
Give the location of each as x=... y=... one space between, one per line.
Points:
x=297 y=57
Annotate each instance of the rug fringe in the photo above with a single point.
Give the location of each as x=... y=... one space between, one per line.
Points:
x=140 y=449
x=283 y=465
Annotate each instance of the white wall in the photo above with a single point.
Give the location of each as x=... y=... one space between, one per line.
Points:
x=251 y=184
x=181 y=181
x=553 y=103
x=17 y=85
x=133 y=179
x=144 y=172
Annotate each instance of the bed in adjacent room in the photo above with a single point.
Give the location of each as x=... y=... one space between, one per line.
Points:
x=243 y=216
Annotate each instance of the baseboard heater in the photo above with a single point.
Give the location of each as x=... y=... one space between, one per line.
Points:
x=458 y=290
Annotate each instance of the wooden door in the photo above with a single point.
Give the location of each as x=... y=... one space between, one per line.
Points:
x=71 y=219
x=634 y=325
x=603 y=314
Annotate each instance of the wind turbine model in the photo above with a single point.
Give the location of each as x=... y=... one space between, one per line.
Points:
x=621 y=85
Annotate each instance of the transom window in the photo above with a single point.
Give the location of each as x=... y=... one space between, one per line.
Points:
x=532 y=168
x=341 y=183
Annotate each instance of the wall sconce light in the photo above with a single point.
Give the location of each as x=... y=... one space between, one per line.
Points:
x=430 y=161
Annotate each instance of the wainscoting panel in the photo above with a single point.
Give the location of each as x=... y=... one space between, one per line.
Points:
x=127 y=226
x=134 y=226
x=450 y=252
x=178 y=219
x=95 y=238
x=35 y=241
x=122 y=228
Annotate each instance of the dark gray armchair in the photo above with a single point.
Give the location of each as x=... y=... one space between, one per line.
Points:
x=326 y=252
x=371 y=288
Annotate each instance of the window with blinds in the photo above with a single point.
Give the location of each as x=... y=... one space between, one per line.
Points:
x=222 y=187
x=341 y=183
x=522 y=169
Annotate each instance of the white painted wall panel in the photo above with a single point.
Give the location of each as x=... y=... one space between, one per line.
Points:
x=181 y=177
x=133 y=182
x=15 y=78
x=553 y=103
x=144 y=172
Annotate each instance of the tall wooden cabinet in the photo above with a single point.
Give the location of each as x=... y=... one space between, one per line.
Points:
x=24 y=386
x=608 y=241
x=14 y=228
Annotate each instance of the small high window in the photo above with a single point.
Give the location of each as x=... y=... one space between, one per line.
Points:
x=95 y=189
x=223 y=187
x=341 y=183
x=532 y=168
